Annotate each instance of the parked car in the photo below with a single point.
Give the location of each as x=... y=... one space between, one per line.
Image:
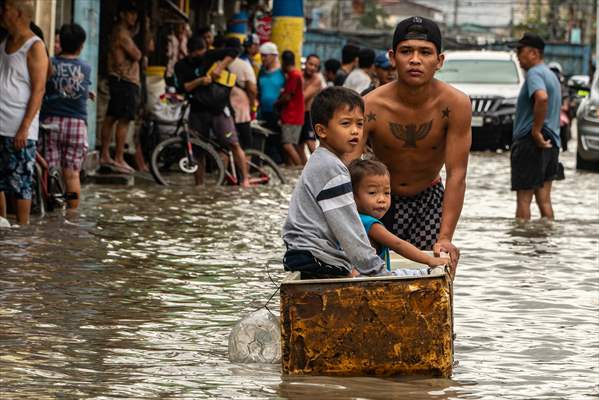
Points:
x=492 y=79
x=587 y=120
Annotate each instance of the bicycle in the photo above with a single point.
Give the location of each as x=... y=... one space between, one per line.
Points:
x=188 y=158
x=49 y=192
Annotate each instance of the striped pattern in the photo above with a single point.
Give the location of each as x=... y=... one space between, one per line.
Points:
x=336 y=193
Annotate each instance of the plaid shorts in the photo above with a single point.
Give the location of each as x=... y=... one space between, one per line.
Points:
x=417 y=219
x=66 y=147
x=16 y=168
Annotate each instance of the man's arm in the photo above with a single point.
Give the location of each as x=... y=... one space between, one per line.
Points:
x=37 y=65
x=540 y=99
x=312 y=89
x=130 y=48
x=252 y=92
x=457 y=150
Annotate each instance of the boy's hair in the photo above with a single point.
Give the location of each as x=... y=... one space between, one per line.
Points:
x=349 y=53
x=72 y=37
x=287 y=58
x=196 y=42
x=360 y=169
x=366 y=58
x=330 y=100
x=332 y=65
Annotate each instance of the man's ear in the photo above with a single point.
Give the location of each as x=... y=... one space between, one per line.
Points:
x=321 y=131
x=441 y=61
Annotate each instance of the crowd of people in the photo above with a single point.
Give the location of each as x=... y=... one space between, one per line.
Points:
x=386 y=106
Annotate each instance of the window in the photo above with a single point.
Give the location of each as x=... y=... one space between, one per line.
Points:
x=479 y=71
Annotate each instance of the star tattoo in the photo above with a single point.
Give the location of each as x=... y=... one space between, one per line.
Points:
x=371 y=116
x=446 y=112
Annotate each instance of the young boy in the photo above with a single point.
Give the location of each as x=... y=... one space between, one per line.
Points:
x=65 y=105
x=323 y=232
x=372 y=192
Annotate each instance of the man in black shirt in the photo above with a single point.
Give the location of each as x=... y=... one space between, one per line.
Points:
x=210 y=108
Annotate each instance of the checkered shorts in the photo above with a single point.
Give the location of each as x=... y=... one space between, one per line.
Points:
x=66 y=147
x=417 y=219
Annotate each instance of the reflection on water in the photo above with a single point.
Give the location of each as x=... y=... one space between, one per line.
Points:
x=135 y=297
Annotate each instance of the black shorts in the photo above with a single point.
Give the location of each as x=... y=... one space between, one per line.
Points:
x=307 y=130
x=124 y=99
x=531 y=165
x=220 y=127
x=417 y=219
x=310 y=267
x=244 y=132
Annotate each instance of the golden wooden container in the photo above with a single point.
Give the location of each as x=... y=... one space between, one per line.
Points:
x=379 y=326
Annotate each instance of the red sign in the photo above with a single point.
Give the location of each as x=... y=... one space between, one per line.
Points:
x=263 y=28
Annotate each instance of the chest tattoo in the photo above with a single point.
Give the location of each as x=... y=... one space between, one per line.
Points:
x=371 y=116
x=410 y=133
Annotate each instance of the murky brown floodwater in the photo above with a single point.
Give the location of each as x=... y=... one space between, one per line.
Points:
x=135 y=297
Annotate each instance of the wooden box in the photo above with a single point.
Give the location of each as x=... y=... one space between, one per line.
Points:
x=379 y=326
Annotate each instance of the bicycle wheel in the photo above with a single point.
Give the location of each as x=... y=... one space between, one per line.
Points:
x=263 y=170
x=56 y=189
x=170 y=165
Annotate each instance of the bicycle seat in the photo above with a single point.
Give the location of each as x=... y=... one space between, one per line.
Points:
x=259 y=126
x=50 y=127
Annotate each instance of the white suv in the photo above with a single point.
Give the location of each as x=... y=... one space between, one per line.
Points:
x=492 y=79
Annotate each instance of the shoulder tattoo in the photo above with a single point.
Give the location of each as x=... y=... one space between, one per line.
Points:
x=410 y=133
x=446 y=112
x=371 y=117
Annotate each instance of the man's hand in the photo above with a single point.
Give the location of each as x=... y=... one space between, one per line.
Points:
x=446 y=246
x=21 y=139
x=541 y=141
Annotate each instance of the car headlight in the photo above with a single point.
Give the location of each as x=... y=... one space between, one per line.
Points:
x=592 y=111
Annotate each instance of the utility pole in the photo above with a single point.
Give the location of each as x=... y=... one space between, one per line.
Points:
x=456 y=5
x=596 y=33
x=512 y=21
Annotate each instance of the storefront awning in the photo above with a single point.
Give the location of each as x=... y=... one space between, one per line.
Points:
x=176 y=10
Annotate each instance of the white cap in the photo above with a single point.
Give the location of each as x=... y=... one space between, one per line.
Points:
x=269 y=48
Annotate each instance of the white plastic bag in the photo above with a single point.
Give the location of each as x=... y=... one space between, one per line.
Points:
x=256 y=339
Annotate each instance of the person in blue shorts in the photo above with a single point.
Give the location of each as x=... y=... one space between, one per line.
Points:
x=372 y=192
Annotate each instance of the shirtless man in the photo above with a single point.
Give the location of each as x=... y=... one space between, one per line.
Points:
x=313 y=84
x=124 y=85
x=415 y=125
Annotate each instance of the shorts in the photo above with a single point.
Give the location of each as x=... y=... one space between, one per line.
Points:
x=220 y=125
x=124 y=99
x=290 y=134
x=66 y=147
x=244 y=133
x=311 y=267
x=307 y=130
x=531 y=165
x=16 y=168
x=417 y=219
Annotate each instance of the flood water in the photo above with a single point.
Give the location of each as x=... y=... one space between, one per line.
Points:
x=135 y=297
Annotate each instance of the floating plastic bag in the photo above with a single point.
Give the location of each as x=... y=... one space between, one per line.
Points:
x=256 y=339
x=4 y=223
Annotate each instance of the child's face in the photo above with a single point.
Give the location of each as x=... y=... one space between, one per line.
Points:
x=343 y=132
x=373 y=195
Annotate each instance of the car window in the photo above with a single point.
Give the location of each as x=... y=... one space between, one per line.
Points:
x=479 y=71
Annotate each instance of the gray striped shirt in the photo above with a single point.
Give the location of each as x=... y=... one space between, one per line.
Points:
x=323 y=218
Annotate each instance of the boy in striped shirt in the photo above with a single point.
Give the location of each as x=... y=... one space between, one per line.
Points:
x=323 y=232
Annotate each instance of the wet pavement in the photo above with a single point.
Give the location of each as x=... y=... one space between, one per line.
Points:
x=135 y=296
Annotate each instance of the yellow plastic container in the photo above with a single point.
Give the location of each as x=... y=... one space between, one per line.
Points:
x=155 y=70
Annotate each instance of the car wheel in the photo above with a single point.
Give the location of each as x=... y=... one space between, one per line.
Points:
x=586 y=165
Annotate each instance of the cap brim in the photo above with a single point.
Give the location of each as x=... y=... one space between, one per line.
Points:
x=515 y=45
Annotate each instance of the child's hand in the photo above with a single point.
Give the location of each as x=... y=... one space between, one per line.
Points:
x=436 y=261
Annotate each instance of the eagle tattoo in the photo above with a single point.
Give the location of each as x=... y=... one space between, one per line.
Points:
x=409 y=133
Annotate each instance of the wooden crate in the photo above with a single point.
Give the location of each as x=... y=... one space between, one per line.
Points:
x=379 y=326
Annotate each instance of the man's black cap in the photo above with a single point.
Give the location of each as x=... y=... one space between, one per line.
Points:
x=418 y=28
x=127 y=5
x=529 y=39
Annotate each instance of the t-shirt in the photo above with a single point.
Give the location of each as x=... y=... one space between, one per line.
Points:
x=358 y=80
x=293 y=113
x=340 y=77
x=539 y=77
x=368 y=222
x=239 y=98
x=269 y=87
x=323 y=218
x=67 y=90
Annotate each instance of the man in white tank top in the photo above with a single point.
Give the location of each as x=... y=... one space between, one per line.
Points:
x=23 y=70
